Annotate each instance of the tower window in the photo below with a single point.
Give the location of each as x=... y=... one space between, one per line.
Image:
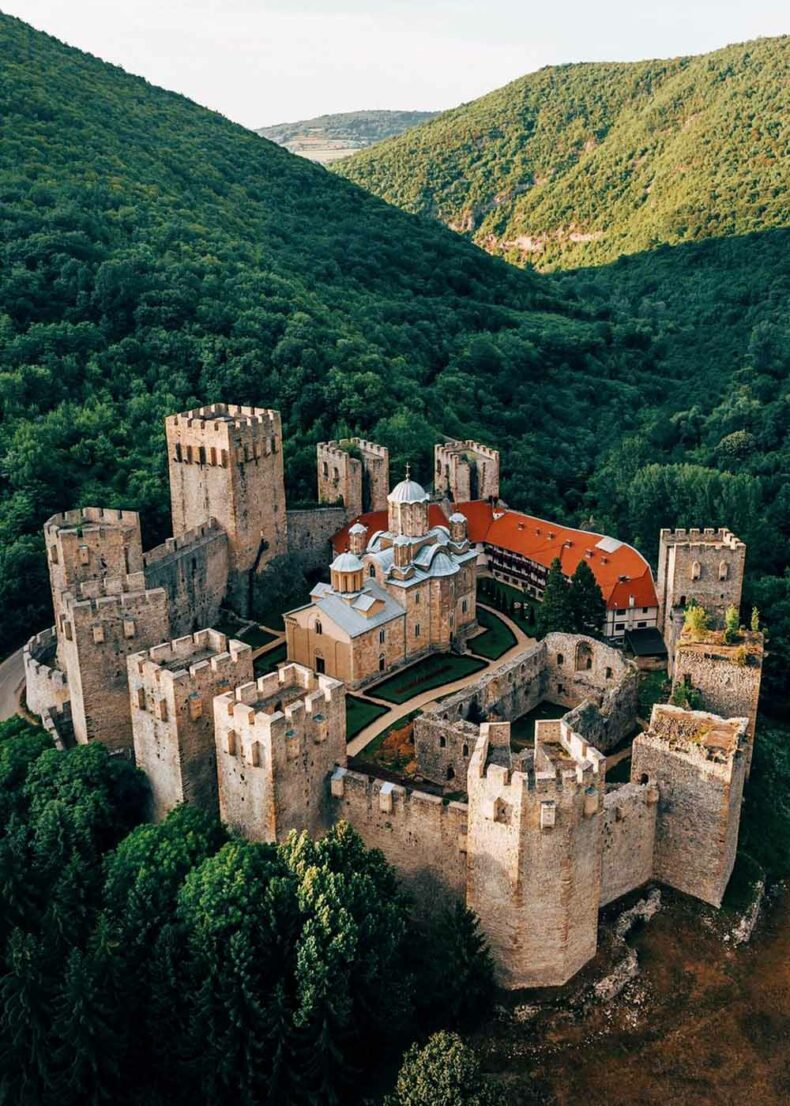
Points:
x=372 y=572
x=319 y=629
x=417 y=629
x=724 y=570
x=450 y=772
x=382 y=663
x=382 y=636
x=325 y=468
x=442 y=741
x=696 y=570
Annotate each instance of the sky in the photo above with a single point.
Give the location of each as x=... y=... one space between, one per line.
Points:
x=261 y=62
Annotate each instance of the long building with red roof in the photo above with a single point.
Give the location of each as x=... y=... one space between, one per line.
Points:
x=518 y=549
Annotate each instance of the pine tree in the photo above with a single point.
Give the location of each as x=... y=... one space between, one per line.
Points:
x=554 y=614
x=587 y=605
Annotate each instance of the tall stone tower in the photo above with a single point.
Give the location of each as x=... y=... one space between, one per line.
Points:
x=102 y=623
x=534 y=852
x=698 y=761
x=466 y=470
x=706 y=565
x=278 y=741
x=172 y=689
x=91 y=543
x=355 y=471
x=226 y=463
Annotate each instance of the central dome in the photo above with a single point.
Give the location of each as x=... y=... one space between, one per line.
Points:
x=408 y=491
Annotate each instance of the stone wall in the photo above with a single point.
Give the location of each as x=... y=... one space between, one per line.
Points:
x=706 y=565
x=698 y=810
x=193 y=570
x=728 y=676
x=278 y=740
x=310 y=534
x=172 y=689
x=629 y=831
x=423 y=837
x=226 y=463
x=101 y=626
x=360 y=483
x=46 y=687
x=466 y=470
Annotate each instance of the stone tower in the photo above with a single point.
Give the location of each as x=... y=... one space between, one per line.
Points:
x=226 y=463
x=534 y=852
x=698 y=761
x=466 y=470
x=706 y=565
x=101 y=624
x=278 y=741
x=89 y=544
x=355 y=471
x=171 y=691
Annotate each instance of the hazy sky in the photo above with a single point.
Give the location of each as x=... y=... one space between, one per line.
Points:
x=271 y=61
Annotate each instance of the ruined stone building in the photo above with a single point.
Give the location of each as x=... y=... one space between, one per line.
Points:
x=465 y=471
x=355 y=473
x=393 y=597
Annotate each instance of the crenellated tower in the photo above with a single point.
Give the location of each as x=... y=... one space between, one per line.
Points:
x=226 y=463
x=704 y=565
x=534 y=851
x=278 y=741
x=355 y=472
x=171 y=691
x=465 y=470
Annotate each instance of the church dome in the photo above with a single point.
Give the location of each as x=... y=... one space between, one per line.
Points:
x=346 y=562
x=358 y=528
x=408 y=491
x=443 y=565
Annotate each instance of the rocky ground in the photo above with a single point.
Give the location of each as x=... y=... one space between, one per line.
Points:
x=682 y=1005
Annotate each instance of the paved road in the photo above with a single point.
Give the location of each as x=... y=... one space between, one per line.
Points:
x=12 y=675
x=364 y=737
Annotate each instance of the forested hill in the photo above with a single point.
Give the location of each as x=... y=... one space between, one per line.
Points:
x=329 y=137
x=577 y=164
x=156 y=256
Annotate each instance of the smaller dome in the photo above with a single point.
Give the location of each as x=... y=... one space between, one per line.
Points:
x=443 y=565
x=358 y=528
x=408 y=491
x=346 y=562
x=457 y=517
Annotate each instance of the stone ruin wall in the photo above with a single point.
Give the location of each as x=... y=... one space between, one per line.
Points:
x=453 y=464
x=729 y=688
x=628 y=832
x=603 y=702
x=193 y=571
x=46 y=687
x=422 y=836
x=342 y=477
x=698 y=815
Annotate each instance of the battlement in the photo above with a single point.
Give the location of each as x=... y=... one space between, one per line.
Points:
x=181 y=661
x=391 y=798
x=361 y=481
x=223 y=434
x=89 y=517
x=46 y=686
x=125 y=593
x=466 y=470
x=706 y=537
x=173 y=547
x=455 y=445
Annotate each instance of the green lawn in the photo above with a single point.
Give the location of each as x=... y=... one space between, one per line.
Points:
x=496 y=640
x=438 y=669
x=256 y=637
x=267 y=662
x=502 y=599
x=360 y=713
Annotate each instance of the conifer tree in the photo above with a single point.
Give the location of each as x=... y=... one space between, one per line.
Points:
x=554 y=614
x=587 y=605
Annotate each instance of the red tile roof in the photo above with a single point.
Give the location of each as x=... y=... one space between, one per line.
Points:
x=621 y=572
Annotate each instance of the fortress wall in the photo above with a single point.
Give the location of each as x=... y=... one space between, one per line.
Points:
x=420 y=835
x=728 y=678
x=46 y=687
x=596 y=679
x=193 y=570
x=698 y=815
x=310 y=534
x=629 y=832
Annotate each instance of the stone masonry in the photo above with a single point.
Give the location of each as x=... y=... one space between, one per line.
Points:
x=706 y=565
x=226 y=463
x=172 y=689
x=278 y=741
x=353 y=472
x=465 y=470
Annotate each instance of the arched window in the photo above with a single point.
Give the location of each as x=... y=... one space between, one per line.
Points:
x=560 y=659
x=372 y=571
x=724 y=570
x=643 y=779
x=442 y=741
x=584 y=657
x=465 y=750
x=450 y=772
x=319 y=629
x=382 y=663
x=326 y=469
x=696 y=570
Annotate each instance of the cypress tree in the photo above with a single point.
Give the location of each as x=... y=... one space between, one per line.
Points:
x=554 y=614
x=587 y=605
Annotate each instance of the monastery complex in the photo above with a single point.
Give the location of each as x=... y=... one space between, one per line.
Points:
x=526 y=831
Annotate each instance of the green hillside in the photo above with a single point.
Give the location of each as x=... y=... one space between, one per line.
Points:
x=577 y=164
x=156 y=256
x=329 y=137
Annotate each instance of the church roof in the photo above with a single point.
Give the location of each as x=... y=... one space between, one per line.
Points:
x=352 y=616
x=408 y=491
x=346 y=562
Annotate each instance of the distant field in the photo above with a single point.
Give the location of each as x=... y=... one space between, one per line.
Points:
x=329 y=138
